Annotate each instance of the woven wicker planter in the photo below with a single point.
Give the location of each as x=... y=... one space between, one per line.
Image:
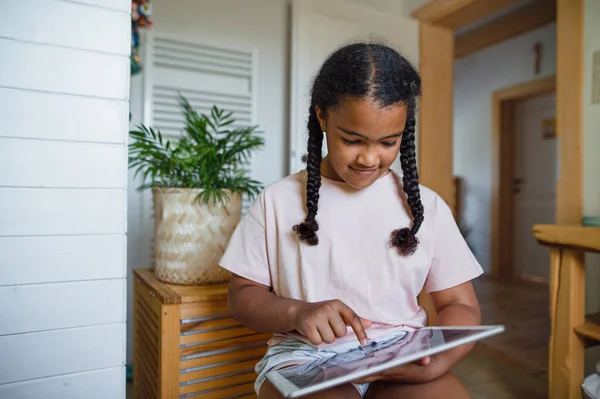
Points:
x=190 y=236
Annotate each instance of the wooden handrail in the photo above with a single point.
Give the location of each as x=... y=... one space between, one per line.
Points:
x=577 y=238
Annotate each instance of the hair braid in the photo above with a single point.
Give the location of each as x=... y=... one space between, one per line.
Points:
x=307 y=230
x=405 y=240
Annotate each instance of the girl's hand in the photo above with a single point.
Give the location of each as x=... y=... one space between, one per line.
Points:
x=325 y=321
x=423 y=370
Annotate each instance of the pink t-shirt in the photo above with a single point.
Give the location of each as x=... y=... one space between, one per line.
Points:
x=361 y=269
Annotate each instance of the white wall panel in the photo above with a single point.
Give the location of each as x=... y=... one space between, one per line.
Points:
x=103 y=30
x=30 y=260
x=40 y=307
x=38 y=163
x=63 y=117
x=31 y=211
x=100 y=384
x=52 y=353
x=63 y=70
x=121 y=5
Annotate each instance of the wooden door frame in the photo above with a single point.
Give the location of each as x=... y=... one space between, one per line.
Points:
x=503 y=136
x=438 y=21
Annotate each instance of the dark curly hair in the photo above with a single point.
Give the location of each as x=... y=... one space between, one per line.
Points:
x=377 y=72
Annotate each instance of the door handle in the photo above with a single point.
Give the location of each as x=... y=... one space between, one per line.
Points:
x=517 y=183
x=304 y=158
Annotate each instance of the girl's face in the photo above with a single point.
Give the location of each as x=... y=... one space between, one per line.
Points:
x=363 y=140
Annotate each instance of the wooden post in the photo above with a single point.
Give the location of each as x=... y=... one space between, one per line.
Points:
x=435 y=117
x=569 y=110
x=567 y=307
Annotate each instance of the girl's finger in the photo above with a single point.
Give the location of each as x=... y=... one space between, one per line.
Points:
x=424 y=362
x=313 y=335
x=326 y=333
x=366 y=323
x=338 y=326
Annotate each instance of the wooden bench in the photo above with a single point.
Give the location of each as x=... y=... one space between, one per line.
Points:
x=571 y=330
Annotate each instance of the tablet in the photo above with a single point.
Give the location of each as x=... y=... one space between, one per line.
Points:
x=402 y=348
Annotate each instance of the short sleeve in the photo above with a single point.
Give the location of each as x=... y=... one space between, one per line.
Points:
x=453 y=261
x=246 y=253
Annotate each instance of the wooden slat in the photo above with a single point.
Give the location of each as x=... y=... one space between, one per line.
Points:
x=216 y=383
x=244 y=354
x=145 y=295
x=209 y=325
x=569 y=110
x=216 y=292
x=520 y=21
x=230 y=392
x=455 y=14
x=244 y=366
x=578 y=238
x=151 y=346
x=148 y=318
x=169 y=352
x=215 y=335
x=435 y=117
x=223 y=344
x=193 y=310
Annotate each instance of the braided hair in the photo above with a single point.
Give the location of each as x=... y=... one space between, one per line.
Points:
x=377 y=72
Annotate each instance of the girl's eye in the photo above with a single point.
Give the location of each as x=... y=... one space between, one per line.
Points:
x=350 y=141
x=390 y=143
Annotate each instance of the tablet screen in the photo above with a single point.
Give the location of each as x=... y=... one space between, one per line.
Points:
x=402 y=348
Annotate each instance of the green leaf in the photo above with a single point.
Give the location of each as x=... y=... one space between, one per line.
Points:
x=210 y=155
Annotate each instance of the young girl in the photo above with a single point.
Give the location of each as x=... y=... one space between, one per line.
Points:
x=333 y=257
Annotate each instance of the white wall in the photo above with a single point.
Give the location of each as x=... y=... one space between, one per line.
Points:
x=476 y=77
x=64 y=87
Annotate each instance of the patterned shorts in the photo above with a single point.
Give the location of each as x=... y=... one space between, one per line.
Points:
x=302 y=357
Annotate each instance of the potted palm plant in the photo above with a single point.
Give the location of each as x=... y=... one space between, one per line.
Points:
x=197 y=183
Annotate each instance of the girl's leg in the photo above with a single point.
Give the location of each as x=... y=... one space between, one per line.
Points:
x=343 y=392
x=447 y=386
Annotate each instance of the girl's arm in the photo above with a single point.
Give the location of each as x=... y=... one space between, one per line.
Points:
x=457 y=306
x=255 y=306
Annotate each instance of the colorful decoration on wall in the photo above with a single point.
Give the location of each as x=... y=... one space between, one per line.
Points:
x=140 y=13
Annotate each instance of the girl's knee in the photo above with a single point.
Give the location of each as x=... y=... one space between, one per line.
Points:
x=447 y=386
x=347 y=391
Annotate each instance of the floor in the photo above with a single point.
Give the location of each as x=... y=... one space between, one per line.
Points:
x=512 y=365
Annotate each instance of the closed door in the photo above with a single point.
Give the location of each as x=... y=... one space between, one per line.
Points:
x=534 y=189
x=318 y=28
